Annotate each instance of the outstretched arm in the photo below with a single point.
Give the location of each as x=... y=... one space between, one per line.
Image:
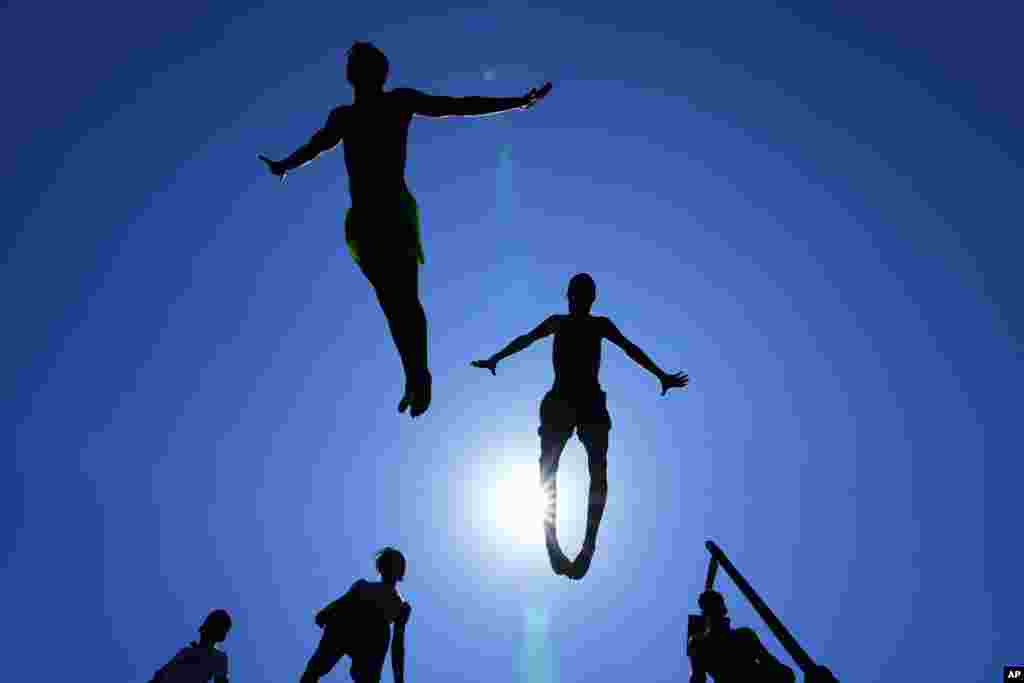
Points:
x=325 y=139
x=436 y=106
x=398 y=644
x=612 y=334
x=518 y=344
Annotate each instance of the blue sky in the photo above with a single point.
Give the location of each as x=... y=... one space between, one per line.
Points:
x=813 y=212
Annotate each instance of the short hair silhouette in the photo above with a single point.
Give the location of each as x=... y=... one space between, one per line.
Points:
x=367 y=65
x=390 y=564
x=216 y=625
x=582 y=286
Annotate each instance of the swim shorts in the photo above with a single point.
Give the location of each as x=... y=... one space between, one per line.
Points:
x=396 y=232
x=561 y=413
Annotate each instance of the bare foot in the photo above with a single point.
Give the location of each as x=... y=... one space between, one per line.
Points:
x=581 y=565
x=421 y=397
x=407 y=397
x=560 y=564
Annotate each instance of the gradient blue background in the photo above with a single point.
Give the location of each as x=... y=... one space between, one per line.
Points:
x=816 y=213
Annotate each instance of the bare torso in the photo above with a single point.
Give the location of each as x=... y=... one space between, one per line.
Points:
x=576 y=353
x=376 y=136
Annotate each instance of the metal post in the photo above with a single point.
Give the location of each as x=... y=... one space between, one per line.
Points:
x=709 y=582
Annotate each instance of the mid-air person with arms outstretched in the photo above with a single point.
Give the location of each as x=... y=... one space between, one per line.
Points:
x=577 y=401
x=382 y=227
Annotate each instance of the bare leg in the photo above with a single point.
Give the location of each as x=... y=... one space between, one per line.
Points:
x=327 y=654
x=595 y=441
x=397 y=288
x=551 y=447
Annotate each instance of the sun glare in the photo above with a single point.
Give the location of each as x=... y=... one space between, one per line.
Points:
x=518 y=504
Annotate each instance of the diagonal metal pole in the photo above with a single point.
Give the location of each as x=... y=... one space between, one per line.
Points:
x=798 y=654
x=709 y=582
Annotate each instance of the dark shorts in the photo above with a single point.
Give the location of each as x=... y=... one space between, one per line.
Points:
x=389 y=234
x=560 y=413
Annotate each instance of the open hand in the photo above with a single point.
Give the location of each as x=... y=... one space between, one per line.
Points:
x=680 y=380
x=275 y=167
x=535 y=96
x=486 y=364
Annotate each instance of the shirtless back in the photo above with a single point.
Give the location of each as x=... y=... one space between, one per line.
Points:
x=576 y=353
x=376 y=132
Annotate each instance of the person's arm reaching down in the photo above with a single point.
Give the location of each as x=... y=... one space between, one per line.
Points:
x=518 y=344
x=325 y=139
x=612 y=334
x=398 y=644
x=436 y=106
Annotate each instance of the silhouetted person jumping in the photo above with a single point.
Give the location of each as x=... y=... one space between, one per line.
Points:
x=576 y=401
x=730 y=655
x=382 y=228
x=200 y=661
x=358 y=625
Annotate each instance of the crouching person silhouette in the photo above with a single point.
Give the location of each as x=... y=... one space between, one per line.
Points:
x=200 y=661
x=730 y=655
x=358 y=624
x=576 y=401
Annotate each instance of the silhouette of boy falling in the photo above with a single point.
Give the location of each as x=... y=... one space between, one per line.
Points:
x=382 y=228
x=357 y=624
x=198 y=662
x=576 y=401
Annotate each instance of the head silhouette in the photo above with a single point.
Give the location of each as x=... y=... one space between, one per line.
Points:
x=582 y=293
x=391 y=565
x=215 y=627
x=367 y=66
x=712 y=604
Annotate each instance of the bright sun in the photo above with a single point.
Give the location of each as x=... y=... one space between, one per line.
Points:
x=518 y=504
